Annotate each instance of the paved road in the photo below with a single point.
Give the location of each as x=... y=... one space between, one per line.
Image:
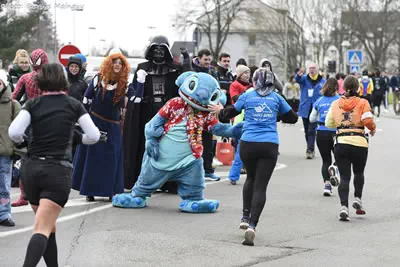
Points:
x=299 y=227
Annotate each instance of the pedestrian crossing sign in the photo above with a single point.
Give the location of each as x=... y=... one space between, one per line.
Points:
x=355 y=57
x=354 y=68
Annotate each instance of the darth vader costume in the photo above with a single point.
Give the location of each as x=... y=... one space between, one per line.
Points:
x=159 y=87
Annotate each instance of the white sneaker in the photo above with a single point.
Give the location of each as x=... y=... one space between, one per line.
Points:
x=334 y=175
x=344 y=214
x=217 y=163
x=249 y=236
x=386 y=111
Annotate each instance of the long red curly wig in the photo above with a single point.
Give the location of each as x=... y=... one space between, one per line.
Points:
x=108 y=75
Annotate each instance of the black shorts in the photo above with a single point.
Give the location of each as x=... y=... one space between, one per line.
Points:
x=46 y=179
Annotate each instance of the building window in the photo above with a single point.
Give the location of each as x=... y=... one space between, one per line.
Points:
x=252 y=39
x=252 y=60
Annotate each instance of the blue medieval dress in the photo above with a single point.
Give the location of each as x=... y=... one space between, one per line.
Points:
x=98 y=168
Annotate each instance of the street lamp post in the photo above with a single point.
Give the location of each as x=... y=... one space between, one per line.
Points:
x=286 y=44
x=103 y=42
x=345 y=45
x=90 y=28
x=74 y=28
x=398 y=50
x=55 y=27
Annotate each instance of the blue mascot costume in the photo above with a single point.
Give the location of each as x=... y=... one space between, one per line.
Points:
x=174 y=145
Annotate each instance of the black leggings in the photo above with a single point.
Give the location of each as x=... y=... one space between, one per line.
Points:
x=325 y=145
x=347 y=156
x=260 y=160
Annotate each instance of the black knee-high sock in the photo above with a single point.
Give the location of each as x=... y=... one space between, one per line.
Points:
x=50 y=255
x=36 y=248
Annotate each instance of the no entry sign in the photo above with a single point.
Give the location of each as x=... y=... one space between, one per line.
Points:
x=66 y=52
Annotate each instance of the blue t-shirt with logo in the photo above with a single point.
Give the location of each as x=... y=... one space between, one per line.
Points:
x=322 y=105
x=260 y=115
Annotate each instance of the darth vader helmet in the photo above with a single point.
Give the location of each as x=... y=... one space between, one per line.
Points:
x=158 y=51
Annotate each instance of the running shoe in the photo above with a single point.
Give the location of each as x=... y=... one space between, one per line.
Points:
x=7 y=222
x=233 y=182
x=216 y=163
x=357 y=205
x=334 y=175
x=310 y=154
x=327 y=190
x=211 y=177
x=344 y=214
x=249 y=236
x=244 y=223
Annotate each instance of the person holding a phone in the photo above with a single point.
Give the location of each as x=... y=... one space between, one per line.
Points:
x=310 y=87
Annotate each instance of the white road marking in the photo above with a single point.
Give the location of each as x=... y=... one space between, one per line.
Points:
x=62 y=219
x=79 y=202
x=70 y=203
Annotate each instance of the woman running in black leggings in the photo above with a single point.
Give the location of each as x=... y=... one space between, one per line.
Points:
x=350 y=115
x=325 y=135
x=259 y=144
x=47 y=170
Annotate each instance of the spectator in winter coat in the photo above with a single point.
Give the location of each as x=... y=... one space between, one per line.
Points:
x=27 y=86
x=238 y=87
x=378 y=95
x=266 y=63
x=77 y=85
x=291 y=92
x=19 y=67
x=8 y=111
x=241 y=61
x=395 y=84
x=84 y=64
x=310 y=87
x=366 y=86
x=241 y=84
x=202 y=63
x=224 y=74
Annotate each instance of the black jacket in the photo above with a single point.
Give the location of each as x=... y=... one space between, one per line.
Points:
x=380 y=85
x=77 y=89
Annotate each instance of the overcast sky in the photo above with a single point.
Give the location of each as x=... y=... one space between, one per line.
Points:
x=126 y=22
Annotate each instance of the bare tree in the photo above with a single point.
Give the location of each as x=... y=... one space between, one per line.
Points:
x=211 y=17
x=374 y=24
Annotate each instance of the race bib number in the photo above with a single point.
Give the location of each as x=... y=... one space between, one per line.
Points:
x=310 y=92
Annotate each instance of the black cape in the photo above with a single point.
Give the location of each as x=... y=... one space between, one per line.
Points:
x=138 y=114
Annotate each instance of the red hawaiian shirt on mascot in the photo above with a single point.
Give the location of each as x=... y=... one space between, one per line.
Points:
x=176 y=110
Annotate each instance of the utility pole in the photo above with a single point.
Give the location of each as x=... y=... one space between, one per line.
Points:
x=55 y=28
x=286 y=45
x=286 y=40
x=398 y=50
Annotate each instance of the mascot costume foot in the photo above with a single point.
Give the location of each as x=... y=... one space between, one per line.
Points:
x=174 y=145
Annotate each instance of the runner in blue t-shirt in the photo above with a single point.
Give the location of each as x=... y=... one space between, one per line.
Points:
x=259 y=143
x=325 y=136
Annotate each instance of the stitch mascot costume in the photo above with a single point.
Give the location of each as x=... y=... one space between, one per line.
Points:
x=174 y=145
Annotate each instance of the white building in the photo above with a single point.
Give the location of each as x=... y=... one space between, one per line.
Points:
x=260 y=32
